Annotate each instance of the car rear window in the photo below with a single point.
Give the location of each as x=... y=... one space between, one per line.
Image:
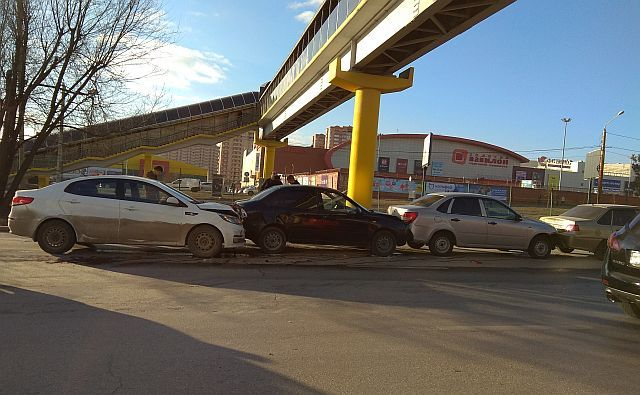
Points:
x=586 y=212
x=427 y=200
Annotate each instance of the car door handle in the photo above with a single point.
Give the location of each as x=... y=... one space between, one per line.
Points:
x=493 y=223
x=131 y=209
x=72 y=201
x=455 y=220
x=190 y=213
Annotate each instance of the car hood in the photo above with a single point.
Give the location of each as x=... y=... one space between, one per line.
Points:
x=216 y=207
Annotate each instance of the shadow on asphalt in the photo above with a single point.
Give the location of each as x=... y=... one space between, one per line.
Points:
x=85 y=349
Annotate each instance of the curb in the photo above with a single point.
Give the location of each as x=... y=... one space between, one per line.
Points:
x=4 y=229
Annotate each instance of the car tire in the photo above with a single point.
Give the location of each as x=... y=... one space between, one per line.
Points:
x=272 y=240
x=631 y=310
x=383 y=243
x=415 y=244
x=441 y=244
x=566 y=250
x=204 y=241
x=56 y=237
x=540 y=247
x=601 y=250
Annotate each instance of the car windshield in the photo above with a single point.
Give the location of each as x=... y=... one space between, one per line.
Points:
x=586 y=212
x=427 y=200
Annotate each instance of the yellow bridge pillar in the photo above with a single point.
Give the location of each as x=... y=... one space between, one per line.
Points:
x=148 y=164
x=368 y=88
x=269 y=155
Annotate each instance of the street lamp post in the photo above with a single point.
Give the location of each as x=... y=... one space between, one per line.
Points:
x=564 y=141
x=602 y=152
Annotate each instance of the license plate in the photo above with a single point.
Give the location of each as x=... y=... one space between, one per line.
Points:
x=634 y=259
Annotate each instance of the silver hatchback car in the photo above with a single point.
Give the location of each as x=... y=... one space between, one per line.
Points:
x=442 y=220
x=122 y=210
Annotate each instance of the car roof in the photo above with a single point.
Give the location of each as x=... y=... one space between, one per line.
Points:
x=460 y=194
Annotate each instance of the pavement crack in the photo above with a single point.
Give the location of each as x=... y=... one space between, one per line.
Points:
x=110 y=372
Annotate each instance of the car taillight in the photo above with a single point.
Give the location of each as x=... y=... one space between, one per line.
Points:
x=20 y=200
x=613 y=242
x=572 y=228
x=409 y=217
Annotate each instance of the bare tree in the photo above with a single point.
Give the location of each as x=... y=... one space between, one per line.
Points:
x=66 y=60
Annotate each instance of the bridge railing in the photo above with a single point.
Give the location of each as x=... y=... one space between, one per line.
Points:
x=306 y=50
x=102 y=147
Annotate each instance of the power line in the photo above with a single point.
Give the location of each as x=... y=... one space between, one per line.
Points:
x=621 y=135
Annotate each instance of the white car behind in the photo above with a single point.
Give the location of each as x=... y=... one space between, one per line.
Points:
x=122 y=210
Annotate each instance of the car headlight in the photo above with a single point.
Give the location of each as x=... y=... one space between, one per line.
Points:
x=233 y=219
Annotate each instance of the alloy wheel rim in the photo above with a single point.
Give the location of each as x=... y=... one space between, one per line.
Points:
x=272 y=240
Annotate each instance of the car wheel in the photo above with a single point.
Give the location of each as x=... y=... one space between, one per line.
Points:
x=415 y=244
x=204 y=241
x=566 y=250
x=383 y=243
x=632 y=310
x=601 y=249
x=272 y=240
x=540 y=247
x=441 y=244
x=56 y=237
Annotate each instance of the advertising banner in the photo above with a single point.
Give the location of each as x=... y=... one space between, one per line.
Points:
x=383 y=164
x=393 y=185
x=437 y=168
x=499 y=193
x=417 y=167
x=445 y=187
x=401 y=166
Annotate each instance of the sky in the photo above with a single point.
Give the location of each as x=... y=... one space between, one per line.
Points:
x=507 y=81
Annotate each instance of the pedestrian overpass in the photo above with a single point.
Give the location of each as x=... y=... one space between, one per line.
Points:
x=350 y=48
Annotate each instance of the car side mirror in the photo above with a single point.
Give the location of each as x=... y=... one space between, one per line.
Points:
x=518 y=218
x=173 y=201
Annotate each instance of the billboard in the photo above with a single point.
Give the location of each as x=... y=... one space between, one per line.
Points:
x=608 y=185
x=592 y=165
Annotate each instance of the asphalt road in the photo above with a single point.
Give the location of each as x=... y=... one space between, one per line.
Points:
x=313 y=320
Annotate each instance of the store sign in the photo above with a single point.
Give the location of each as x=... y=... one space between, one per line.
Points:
x=462 y=157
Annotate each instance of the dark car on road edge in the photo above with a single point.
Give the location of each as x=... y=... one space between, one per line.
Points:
x=621 y=268
x=316 y=215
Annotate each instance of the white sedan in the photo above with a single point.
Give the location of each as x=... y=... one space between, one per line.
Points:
x=122 y=210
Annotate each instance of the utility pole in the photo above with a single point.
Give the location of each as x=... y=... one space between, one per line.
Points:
x=602 y=152
x=564 y=141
